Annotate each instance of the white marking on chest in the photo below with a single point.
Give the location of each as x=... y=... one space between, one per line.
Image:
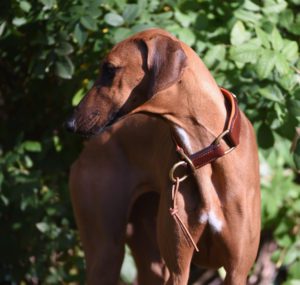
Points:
x=215 y=223
x=184 y=138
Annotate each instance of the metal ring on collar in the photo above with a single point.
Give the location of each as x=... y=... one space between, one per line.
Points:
x=172 y=170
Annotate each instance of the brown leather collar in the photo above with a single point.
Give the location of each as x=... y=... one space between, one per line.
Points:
x=230 y=135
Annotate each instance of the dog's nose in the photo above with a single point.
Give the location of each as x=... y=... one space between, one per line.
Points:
x=70 y=125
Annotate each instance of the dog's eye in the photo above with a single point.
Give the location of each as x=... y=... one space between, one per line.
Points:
x=107 y=73
x=109 y=68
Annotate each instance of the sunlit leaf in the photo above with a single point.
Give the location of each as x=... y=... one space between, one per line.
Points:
x=114 y=19
x=247 y=16
x=272 y=6
x=281 y=64
x=77 y=97
x=263 y=36
x=42 y=227
x=19 y=21
x=239 y=34
x=276 y=40
x=32 y=146
x=272 y=93
x=2 y=28
x=64 y=68
x=246 y=53
x=25 y=6
x=266 y=63
x=290 y=50
x=214 y=54
x=48 y=3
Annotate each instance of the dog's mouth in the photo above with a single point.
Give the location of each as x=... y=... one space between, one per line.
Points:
x=96 y=129
x=110 y=121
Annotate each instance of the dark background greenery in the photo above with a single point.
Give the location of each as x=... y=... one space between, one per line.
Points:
x=50 y=52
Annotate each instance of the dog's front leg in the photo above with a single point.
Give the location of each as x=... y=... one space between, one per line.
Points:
x=142 y=233
x=101 y=215
x=175 y=247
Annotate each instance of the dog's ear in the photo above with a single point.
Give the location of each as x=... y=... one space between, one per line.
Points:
x=165 y=62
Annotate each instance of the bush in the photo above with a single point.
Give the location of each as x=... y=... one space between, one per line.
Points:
x=50 y=51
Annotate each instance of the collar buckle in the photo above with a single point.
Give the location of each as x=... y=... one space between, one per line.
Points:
x=220 y=137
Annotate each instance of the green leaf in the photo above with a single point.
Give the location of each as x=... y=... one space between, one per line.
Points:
x=284 y=241
x=93 y=11
x=247 y=16
x=64 y=68
x=249 y=5
x=32 y=146
x=1 y=179
x=239 y=34
x=2 y=28
x=296 y=208
x=57 y=143
x=114 y=19
x=288 y=81
x=281 y=64
x=184 y=19
x=42 y=227
x=120 y=3
x=139 y=27
x=294 y=271
x=25 y=6
x=77 y=97
x=120 y=34
x=185 y=35
x=28 y=161
x=131 y=12
x=246 y=53
x=19 y=21
x=159 y=18
x=265 y=136
x=200 y=46
x=292 y=282
x=89 y=23
x=286 y=18
x=263 y=36
x=272 y=6
x=214 y=54
x=295 y=28
x=276 y=40
x=290 y=50
x=4 y=200
x=48 y=3
x=294 y=107
x=272 y=93
x=80 y=35
x=266 y=63
x=64 y=48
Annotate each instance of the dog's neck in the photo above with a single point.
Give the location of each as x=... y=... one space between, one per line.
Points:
x=194 y=106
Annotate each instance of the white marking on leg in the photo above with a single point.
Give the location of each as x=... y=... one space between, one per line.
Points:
x=215 y=223
x=184 y=138
x=203 y=218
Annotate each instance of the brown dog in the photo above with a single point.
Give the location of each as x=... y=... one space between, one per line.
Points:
x=219 y=204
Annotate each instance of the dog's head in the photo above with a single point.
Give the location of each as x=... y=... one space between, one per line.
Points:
x=134 y=71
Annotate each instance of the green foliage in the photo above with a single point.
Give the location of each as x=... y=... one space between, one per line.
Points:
x=50 y=53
